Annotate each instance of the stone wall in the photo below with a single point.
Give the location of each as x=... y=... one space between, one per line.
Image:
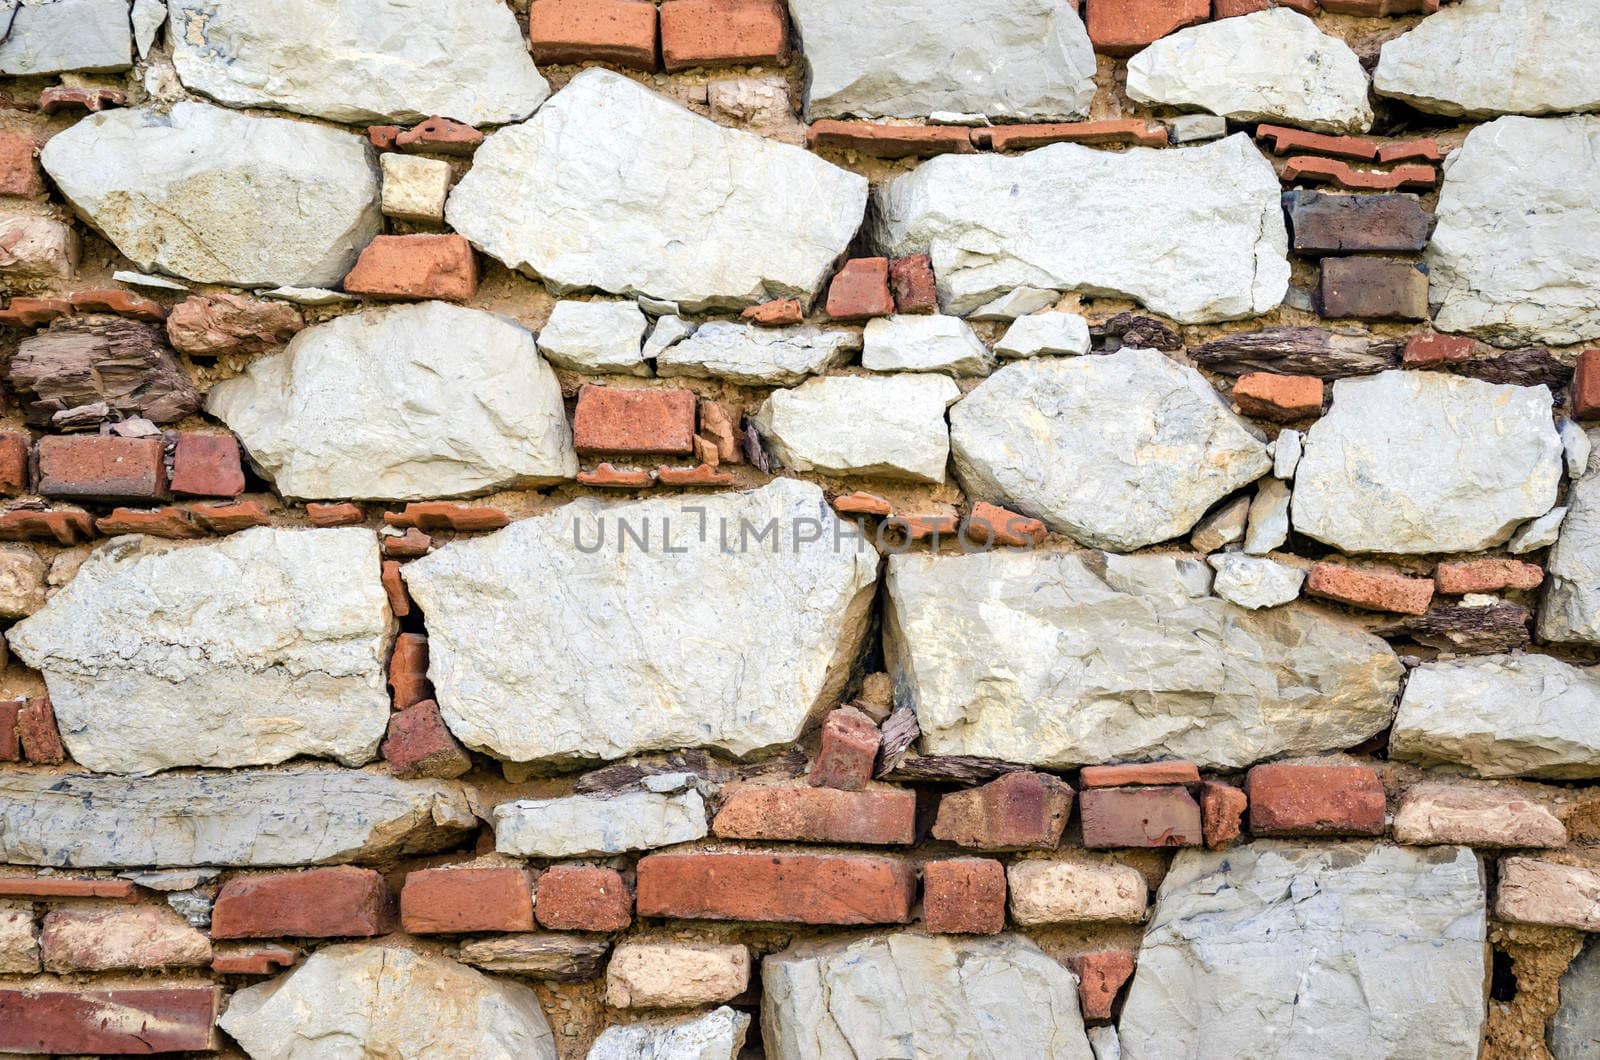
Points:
x=843 y=530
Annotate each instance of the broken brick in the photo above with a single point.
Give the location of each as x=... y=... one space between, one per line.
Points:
x=417 y=266
x=1586 y=386
x=37 y=732
x=342 y=514
x=1409 y=150
x=339 y=902
x=1122 y=27
x=990 y=524
x=1100 y=976
x=890 y=141
x=419 y=744
x=439 y=136
x=120 y=1021
x=862 y=503
x=47 y=887
x=1340 y=223
x=408 y=670
x=14 y=449
x=1281 y=398
x=1135 y=131
x=1139 y=817
x=608 y=477
x=448 y=515
x=383 y=136
x=965 y=896
x=618 y=32
x=450 y=901
x=1222 y=809
x=10 y=742
x=23 y=312
x=1374 y=590
x=923 y=527
x=207 y=465
x=1343 y=175
x=104 y=468
x=1309 y=800
x=912 y=281
x=848 y=751
x=583 y=898
x=394 y=587
x=702 y=475
x=781 y=313
x=720 y=422
x=252 y=959
x=1283 y=140
x=1435 y=348
x=62 y=527
x=860 y=290
x=75 y=97
x=1019 y=811
x=409 y=545
x=1487 y=576
x=230 y=518
x=1132 y=773
x=160 y=522
x=19 y=166
x=723 y=33
x=123 y=303
x=612 y=419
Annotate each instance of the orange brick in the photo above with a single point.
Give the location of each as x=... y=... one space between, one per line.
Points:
x=777 y=888
x=1100 y=976
x=1375 y=590
x=1130 y=773
x=19 y=166
x=723 y=33
x=1487 y=576
x=1278 y=397
x=583 y=898
x=161 y=522
x=608 y=477
x=1410 y=150
x=451 y=900
x=102 y=467
x=24 y=312
x=877 y=817
x=342 y=514
x=1122 y=27
x=339 y=902
x=439 y=136
x=964 y=896
x=1435 y=348
x=1342 y=174
x=782 y=313
x=861 y=290
x=911 y=278
x=425 y=266
x=123 y=303
x=1106 y=131
x=1586 y=386
x=1222 y=809
x=1305 y=800
x=1284 y=140
x=891 y=141
x=992 y=524
x=611 y=419
x=620 y=32
x=229 y=518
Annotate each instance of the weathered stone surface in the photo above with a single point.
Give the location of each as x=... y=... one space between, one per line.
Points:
x=1501 y=716
x=1078 y=658
x=1195 y=234
x=889 y=426
x=1569 y=611
x=1269 y=517
x=1515 y=254
x=1303 y=928
x=924 y=343
x=538 y=695
x=1119 y=452
x=1482 y=58
x=368 y=61
x=757 y=356
x=538 y=955
x=126 y=937
x=1415 y=462
x=1253 y=581
x=402 y=403
x=265 y=645
x=1274 y=65
x=82 y=373
x=919 y=996
x=1475 y=815
x=1298 y=351
x=675 y=974
x=37 y=248
x=371 y=999
x=210 y=325
x=901 y=59
x=1532 y=891
x=1575 y=1028
x=1073 y=890
x=613 y=186
x=596 y=337
x=294 y=816
x=22 y=583
x=57 y=36
x=1045 y=333
x=581 y=825
x=209 y=195
x=19 y=939
x=718 y=1035
x=1539 y=533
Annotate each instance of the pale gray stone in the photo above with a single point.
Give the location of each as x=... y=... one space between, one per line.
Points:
x=1515 y=253
x=1269 y=517
x=408 y=402
x=1255 y=582
x=612 y=186
x=584 y=825
x=1272 y=65
x=368 y=61
x=1196 y=234
x=921 y=343
x=1028 y=59
x=1286 y=452
x=598 y=337
x=1415 y=462
x=293 y=816
x=414 y=188
x=1068 y=659
x=1538 y=533
x=148 y=18
x=888 y=426
x=309 y=295
x=905 y=994
x=756 y=356
x=669 y=330
x=644 y=974
x=23 y=574
x=1015 y=303
x=718 y=1035
x=1105 y=1043
x=1225 y=526
x=383 y=999
x=1281 y=949
x=213 y=196
x=1119 y=451
x=1482 y=58
x=1569 y=612
x=59 y=36
x=1576 y=446
x=37 y=248
x=171 y=879
x=517 y=620
x=1196 y=128
x=1575 y=1028
x=145 y=279
x=1038 y=333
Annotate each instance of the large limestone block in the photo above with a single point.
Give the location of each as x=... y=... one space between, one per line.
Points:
x=402 y=403
x=1415 y=462
x=57 y=36
x=1501 y=716
x=1274 y=65
x=1575 y=1028
x=1196 y=234
x=1028 y=59
x=562 y=636
x=1569 y=612
x=1067 y=659
x=1482 y=58
x=905 y=994
x=615 y=187
x=268 y=644
x=1342 y=951
x=218 y=197
x=890 y=426
x=756 y=356
x=1515 y=253
x=365 y=61
x=291 y=816
x=1119 y=451
x=373 y=999
x=718 y=1035
x=584 y=825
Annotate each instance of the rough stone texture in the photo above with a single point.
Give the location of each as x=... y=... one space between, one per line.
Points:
x=217 y=197
x=580 y=825
x=294 y=816
x=1044 y=333
x=1071 y=891
x=916 y=996
x=718 y=1035
x=1543 y=892
x=1569 y=611
x=652 y=200
x=1574 y=1030
x=1195 y=234
x=1080 y=658
x=535 y=698
x=1117 y=452
x=887 y=426
x=1255 y=582
x=414 y=189
x=1501 y=716
x=1482 y=58
x=81 y=373
x=37 y=248
x=1278 y=949
x=372 y=999
x=1501 y=269
x=675 y=975
x=368 y=61
x=924 y=343
x=757 y=356
x=538 y=955
x=1476 y=815
x=1273 y=65
x=22 y=582
x=214 y=324
x=404 y=403
x=131 y=938
x=598 y=337
x=19 y=939
x=1416 y=462
x=57 y=36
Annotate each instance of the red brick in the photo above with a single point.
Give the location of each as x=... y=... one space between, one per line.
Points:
x=923 y=527
x=1136 y=131
x=861 y=290
x=862 y=503
x=1374 y=590
x=699 y=475
x=419 y=744
x=383 y=136
x=1222 y=809
x=160 y=522
x=229 y=518
x=342 y=514
x=1290 y=800
x=10 y=741
x=1368 y=288
x=71 y=97
x=1139 y=817
x=1435 y=348
x=993 y=525
x=583 y=898
x=408 y=670
x=1130 y=773
x=777 y=888
x=394 y=587
x=723 y=33
x=619 y=32
x=1018 y=811
x=62 y=527
x=37 y=732
x=1100 y=976
x=207 y=465
x=340 y=902
x=964 y=896
x=424 y=266
x=1586 y=386
x=781 y=313
x=880 y=816
x=608 y=477
x=611 y=419
x=1283 y=140
x=19 y=166
x=409 y=545
x=1230 y=8
x=1375 y=8
x=1122 y=27
x=102 y=467
x=1282 y=398
x=137 y=1021
x=891 y=141
x=912 y=281
x=13 y=463
x=439 y=136
x=123 y=303
x=1408 y=150
x=451 y=901
x=848 y=751
x=1487 y=576
x=1343 y=175
x=25 y=312
x=46 y=887
x=251 y=959
x=448 y=515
